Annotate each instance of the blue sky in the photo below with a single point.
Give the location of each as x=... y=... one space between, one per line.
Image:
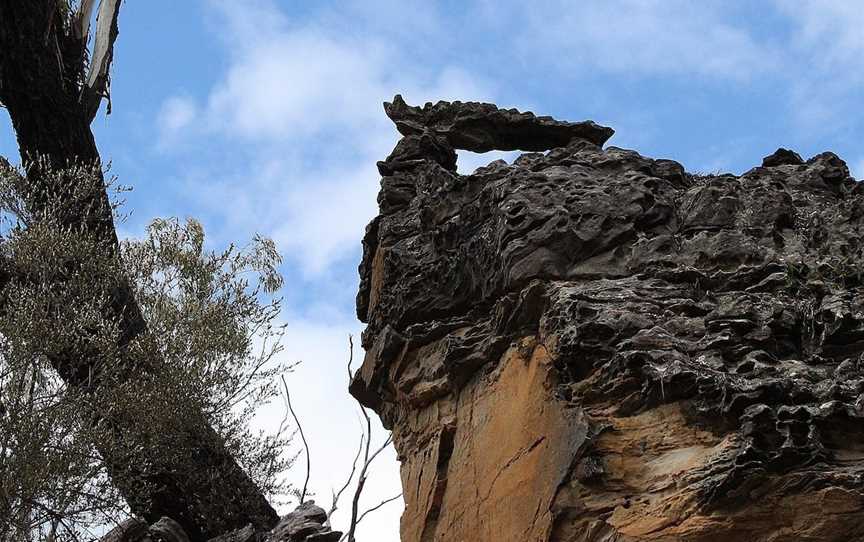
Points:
x=265 y=116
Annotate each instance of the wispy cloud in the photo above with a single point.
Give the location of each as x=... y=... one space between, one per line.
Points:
x=300 y=84
x=637 y=37
x=176 y=114
x=826 y=52
x=827 y=29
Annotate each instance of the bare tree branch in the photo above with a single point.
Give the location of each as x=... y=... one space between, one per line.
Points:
x=365 y=449
x=361 y=482
x=350 y=356
x=302 y=436
x=368 y=457
x=377 y=506
x=338 y=495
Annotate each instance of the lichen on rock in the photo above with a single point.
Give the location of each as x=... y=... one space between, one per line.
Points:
x=588 y=344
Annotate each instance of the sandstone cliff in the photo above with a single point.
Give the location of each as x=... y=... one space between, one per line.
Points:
x=592 y=345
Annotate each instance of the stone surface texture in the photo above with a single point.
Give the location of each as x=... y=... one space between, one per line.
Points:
x=591 y=345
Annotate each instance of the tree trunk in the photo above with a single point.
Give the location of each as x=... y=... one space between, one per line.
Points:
x=41 y=77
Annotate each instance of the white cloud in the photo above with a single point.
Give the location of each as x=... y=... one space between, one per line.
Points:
x=326 y=221
x=642 y=37
x=300 y=84
x=809 y=52
x=304 y=104
x=292 y=83
x=829 y=28
x=317 y=214
x=826 y=47
x=176 y=114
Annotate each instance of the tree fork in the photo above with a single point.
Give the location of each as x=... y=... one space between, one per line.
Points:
x=51 y=100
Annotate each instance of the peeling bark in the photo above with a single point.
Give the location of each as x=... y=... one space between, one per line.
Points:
x=98 y=77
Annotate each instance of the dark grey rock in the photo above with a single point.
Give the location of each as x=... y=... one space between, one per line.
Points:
x=301 y=525
x=782 y=157
x=246 y=534
x=167 y=530
x=307 y=523
x=481 y=127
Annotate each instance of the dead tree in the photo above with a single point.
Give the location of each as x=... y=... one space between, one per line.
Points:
x=364 y=458
x=368 y=457
x=52 y=87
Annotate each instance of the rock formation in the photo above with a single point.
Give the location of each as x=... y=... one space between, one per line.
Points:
x=307 y=523
x=591 y=345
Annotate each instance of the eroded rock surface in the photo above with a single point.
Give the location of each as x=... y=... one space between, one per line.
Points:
x=591 y=345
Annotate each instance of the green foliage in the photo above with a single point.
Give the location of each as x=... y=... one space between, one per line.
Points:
x=209 y=356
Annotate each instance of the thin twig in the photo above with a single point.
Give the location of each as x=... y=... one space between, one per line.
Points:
x=350 y=356
x=361 y=482
x=377 y=506
x=302 y=436
x=352 y=527
x=381 y=449
x=338 y=495
x=368 y=457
